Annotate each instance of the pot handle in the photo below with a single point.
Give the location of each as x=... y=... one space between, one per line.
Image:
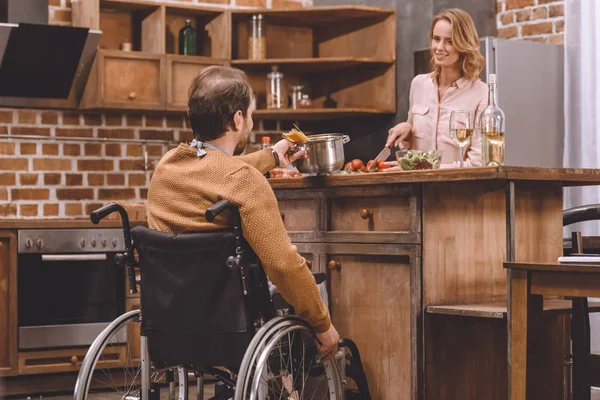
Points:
x=345 y=139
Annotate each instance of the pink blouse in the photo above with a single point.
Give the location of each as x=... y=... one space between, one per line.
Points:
x=430 y=117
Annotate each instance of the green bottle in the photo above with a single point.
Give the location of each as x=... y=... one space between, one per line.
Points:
x=187 y=39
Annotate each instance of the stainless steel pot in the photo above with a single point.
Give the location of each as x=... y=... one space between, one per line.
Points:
x=325 y=153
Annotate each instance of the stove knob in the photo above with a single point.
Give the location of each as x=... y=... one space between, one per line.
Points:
x=82 y=242
x=114 y=242
x=28 y=243
x=39 y=243
x=103 y=242
x=93 y=243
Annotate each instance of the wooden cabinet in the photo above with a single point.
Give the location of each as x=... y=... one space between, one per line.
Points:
x=344 y=53
x=374 y=283
x=121 y=80
x=372 y=289
x=8 y=303
x=181 y=70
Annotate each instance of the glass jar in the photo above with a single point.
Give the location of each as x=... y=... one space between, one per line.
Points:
x=276 y=93
x=187 y=39
x=296 y=95
x=306 y=102
x=257 y=41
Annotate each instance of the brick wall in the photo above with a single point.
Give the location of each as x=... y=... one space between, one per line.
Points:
x=537 y=20
x=57 y=177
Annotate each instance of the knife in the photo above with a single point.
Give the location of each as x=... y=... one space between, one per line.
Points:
x=383 y=155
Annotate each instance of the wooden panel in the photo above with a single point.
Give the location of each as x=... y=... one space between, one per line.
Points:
x=67 y=360
x=300 y=215
x=318 y=16
x=117 y=26
x=371 y=297
x=465 y=358
x=499 y=310
x=181 y=71
x=365 y=38
x=464 y=237
x=369 y=89
x=8 y=303
x=85 y=13
x=153 y=27
x=133 y=82
x=219 y=32
x=538 y=221
x=133 y=331
x=571 y=285
x=282 y=41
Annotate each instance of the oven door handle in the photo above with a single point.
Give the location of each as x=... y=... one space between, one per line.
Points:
x=73 y=257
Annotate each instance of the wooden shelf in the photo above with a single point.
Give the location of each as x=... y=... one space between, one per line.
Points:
x=129 y=4
x=317 y=113
x=309 y=65
x=315 y=16
x=498 y=310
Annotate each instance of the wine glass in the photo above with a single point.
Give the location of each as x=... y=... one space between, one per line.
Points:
x=461 y=130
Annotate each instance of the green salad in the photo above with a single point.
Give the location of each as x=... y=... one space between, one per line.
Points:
x=417 y=159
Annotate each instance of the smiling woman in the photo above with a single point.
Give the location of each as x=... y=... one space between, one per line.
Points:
x=452 y=85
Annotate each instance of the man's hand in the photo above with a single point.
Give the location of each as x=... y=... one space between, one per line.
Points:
x=400 y=135
x=327 y=343
x=282 y=147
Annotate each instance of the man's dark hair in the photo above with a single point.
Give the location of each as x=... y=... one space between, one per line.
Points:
x=215 y=95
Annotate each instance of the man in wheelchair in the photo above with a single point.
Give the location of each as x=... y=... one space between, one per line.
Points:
x=191 y=178
x=205 y=299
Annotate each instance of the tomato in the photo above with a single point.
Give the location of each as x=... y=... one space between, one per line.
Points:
x=348 y=166
x=357 y=164
x=369 y=165
x=364 y=169
x=382 y=166
x=380 y=162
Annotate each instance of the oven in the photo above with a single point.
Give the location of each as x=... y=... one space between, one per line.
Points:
x=69 y=286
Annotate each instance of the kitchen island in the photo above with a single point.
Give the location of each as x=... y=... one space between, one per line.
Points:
x=416 y=271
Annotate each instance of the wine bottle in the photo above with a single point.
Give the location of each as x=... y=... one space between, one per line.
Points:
x=187 y=39
x=491 y=125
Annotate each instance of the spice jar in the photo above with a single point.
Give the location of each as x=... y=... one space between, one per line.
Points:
x=296 y=95
x=257 y=41
x=306 y=102
x=276 y=93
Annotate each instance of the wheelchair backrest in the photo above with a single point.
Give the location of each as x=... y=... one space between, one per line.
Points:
x=188 y=294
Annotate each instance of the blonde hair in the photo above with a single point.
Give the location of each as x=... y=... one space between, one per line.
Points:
x=464 y=39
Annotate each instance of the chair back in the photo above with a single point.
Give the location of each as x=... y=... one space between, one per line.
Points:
x=193 y=306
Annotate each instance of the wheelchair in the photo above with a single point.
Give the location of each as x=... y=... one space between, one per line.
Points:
x=206 y=309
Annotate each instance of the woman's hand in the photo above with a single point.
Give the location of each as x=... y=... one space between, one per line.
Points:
x=392 y=166
x=400 y=135
x=285 y=158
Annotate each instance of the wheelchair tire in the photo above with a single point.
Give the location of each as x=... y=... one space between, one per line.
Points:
x=282 y=334
x=113 y=333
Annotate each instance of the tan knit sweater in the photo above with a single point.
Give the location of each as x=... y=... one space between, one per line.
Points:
x=184 y=185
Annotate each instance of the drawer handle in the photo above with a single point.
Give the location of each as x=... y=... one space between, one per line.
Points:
x=282 y=216
x=334 y=265
x=132 y=96
x=366 y=214
x=74 y=360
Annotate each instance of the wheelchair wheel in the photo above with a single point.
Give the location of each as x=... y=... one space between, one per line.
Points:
x=117 y=366
x=282 y=361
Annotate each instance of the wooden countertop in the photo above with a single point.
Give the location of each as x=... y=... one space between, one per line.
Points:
x=568 y=176
x=61 y=224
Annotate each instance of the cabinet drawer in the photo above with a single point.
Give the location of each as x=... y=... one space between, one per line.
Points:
x=300 y=215
x=389 y=217
x=132 y=81
x=181 y=71
x=68 y=360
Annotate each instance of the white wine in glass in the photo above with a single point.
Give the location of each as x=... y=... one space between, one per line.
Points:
x=461 y=130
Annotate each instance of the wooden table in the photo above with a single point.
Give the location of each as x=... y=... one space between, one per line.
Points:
x=529 y=282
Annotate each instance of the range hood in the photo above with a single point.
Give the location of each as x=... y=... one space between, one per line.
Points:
x=45 y=66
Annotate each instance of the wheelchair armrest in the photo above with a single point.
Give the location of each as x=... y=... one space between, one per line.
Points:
x=320 y=277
